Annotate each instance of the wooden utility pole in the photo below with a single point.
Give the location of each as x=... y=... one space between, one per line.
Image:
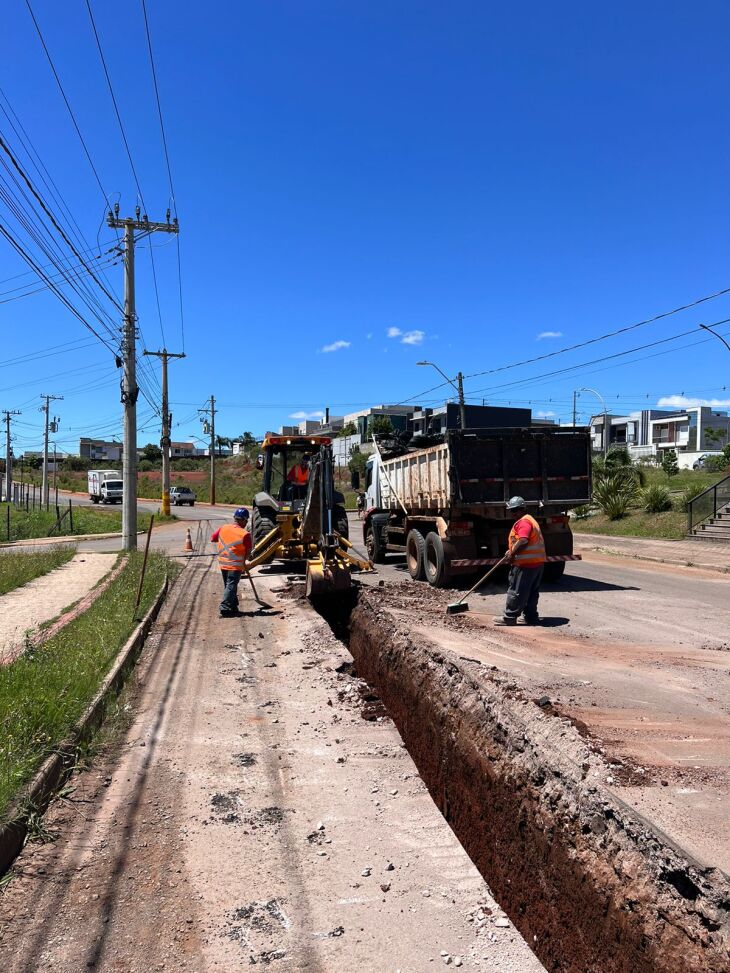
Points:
x=209 y=426
x=134 y=231
x=46 y=409
x=165 y=355
x=8 y=453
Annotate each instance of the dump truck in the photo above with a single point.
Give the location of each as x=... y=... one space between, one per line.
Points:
x=303 y=521
x=105 y=486
x=443 y=505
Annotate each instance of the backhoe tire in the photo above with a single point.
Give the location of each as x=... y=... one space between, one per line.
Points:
x=553 y=571
x=340 y=522
x=261 y=525
x=416 y=555
x=374 y=541
x=435 y=562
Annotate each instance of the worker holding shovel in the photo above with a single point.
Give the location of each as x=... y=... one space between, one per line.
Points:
x=526 y=555
x=234 y=546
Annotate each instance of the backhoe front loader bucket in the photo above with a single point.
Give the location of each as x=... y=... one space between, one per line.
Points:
x=327 y=577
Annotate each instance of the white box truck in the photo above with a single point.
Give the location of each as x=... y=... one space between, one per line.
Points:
x=105 y=486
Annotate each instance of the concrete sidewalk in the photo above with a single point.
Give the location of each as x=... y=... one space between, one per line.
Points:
x=710 y=555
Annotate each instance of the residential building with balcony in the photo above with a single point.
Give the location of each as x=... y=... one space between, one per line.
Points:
x=100 y=450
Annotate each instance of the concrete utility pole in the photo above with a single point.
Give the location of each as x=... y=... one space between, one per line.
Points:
x=165 y=355
x=575 y=396
x=45 y=408
x=606 y=430
x=210 y=424
x=8 y=454
x=134 y=231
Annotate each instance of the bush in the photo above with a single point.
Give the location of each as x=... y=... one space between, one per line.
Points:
x=145 y=466
x=689 y=494
x=716 y=464
x=581 y=512
x=614 y=492
x=669 y=463
x=656 y=499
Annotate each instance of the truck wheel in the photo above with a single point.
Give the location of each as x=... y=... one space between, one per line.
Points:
x=554 y=571
x=340 y=522
x=435 y=563
x=416 y=555
x=94 y=499
x=374 y=541
x=260 y=526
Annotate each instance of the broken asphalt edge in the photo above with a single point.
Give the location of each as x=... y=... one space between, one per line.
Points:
x=37 y=795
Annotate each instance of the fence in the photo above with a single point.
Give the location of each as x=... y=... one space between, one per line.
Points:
x=24 y=520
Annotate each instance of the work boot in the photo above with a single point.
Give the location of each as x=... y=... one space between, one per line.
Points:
x=532 y=620
x=505 y=621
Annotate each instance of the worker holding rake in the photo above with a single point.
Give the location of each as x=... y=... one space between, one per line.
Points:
x=526 y=555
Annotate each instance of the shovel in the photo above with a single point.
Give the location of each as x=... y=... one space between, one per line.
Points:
x=461 y=605
x=253 y=588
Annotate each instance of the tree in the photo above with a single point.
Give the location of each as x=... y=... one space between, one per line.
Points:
x=669 y=462
x=381 y=426
x=358 y=461
x=718 y=435
x=349 y=429
x=151 y=453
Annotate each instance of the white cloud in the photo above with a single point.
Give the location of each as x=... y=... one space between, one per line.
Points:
x=306 y=415
x=683 y=402
x=394 y=332
x=336 y=346
x=549 y=334
x=413 y=337
x=545 y=415
x=369 y=335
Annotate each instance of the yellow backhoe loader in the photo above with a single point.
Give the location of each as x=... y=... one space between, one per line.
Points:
x=300 y=516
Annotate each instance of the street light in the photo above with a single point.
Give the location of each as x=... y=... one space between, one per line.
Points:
x=458 y=385
x=605 y=417
x=706 y=327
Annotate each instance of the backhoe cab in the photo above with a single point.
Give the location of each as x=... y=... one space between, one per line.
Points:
x=298 y=515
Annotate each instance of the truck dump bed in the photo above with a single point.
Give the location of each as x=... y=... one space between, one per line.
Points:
x=488 y=466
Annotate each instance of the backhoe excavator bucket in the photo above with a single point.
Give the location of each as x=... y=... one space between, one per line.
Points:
x=327 y=578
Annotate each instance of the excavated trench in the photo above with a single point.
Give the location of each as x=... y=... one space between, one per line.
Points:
x=590 y=884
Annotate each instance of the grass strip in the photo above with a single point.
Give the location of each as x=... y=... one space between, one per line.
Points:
x=19 y=567
x=25 y=525
x=669 y=525
x=45 y=691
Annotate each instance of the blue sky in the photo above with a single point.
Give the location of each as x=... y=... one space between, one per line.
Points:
x=389 y=181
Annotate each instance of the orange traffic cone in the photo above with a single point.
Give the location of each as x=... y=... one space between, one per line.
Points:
x=188 y=541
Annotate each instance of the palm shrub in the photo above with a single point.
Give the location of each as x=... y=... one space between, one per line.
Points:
x=684 y=500
x=615 y=490
x=656 y=499
x=582 y=511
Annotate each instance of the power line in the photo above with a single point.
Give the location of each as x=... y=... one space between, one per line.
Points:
x=67 y=103
x=603 y=337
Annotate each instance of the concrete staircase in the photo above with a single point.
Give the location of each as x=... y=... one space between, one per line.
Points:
x=717 y=528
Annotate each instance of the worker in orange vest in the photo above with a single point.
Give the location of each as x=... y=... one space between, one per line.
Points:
x=299 y=474
x=234 y=546
x=526 y=554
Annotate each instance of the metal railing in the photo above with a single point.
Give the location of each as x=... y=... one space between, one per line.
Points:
x=706 y=504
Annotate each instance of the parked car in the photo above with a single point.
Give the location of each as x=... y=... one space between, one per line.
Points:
x=701 y=462
x=182 y=495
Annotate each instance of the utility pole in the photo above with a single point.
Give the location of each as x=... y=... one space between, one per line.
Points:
x=575 y=396
x=134 y=231
x=209 y=427
x=462 y=408
x=45 y=408
x=165 y=355
x=8 y=454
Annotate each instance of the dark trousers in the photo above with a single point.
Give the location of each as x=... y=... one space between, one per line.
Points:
x=523 y=592
x=229 y=605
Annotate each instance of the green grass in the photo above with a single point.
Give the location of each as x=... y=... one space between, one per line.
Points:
x=44 y=692
x=669 y=525
x=19 y=567
x=683 y=479
x=25 y=525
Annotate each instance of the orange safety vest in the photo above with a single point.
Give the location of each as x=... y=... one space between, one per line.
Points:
x=298 y=475
x=533 y=555
x=234 y=543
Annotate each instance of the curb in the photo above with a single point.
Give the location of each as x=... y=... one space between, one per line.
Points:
x=69 y=538
x=54 y=768
x=676 y=562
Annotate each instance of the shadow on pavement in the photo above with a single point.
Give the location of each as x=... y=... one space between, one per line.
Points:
x=572 y=582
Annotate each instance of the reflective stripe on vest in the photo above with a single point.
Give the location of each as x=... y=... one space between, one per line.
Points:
x=533 y=555
x=231 y=555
